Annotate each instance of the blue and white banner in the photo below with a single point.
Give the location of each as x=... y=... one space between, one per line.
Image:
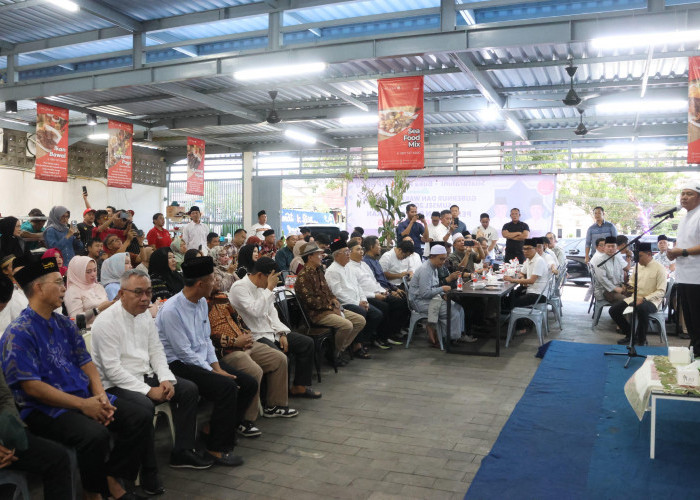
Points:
x=291 y=220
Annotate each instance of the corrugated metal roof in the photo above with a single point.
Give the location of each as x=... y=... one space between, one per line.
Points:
x=45 y=21
x=346 y=10
x=156 y=9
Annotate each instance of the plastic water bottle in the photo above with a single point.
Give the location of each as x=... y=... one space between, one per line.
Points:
x=459 y=283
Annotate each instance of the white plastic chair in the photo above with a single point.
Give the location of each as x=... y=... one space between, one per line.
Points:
x=659 y=317
x=554 y=298
x=417 y=316
x=164 y=409
x=19 y=479
x=537 y=313
x=598 y=305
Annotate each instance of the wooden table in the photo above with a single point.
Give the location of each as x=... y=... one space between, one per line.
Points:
x=488 y=293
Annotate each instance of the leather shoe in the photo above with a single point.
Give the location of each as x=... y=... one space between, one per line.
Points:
x=229 y=459
x=151 y=483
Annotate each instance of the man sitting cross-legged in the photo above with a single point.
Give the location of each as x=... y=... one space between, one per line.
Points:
x=59 y=392
x=132 y=365
x=184 y=329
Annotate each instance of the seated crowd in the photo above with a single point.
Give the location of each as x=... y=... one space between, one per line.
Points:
x=175 y=319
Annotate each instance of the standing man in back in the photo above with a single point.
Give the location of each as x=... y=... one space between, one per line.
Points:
x=599 y=229
x=515 y=232
x=261 y=226
x=412 y=226
x=195 y=233
x=486 y=230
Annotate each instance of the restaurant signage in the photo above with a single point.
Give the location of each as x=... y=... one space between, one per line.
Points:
x=400 y=131
x=51 y=143
x=195 y=166
x=694 y=110
x=119 y=157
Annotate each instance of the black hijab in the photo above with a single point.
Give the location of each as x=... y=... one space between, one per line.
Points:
x=245 y=260
x=9 y=243
x=158 y=268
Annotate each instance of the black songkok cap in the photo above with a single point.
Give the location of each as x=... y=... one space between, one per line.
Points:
x=338 y=244
x=197 y=267
x=662 y=237
x=611 y=239
x=644 y=247
x=268 y=232
x=35 y=270
x=532 y=242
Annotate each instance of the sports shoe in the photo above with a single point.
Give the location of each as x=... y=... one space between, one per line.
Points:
x=248 y=429
x=279 y=411
x=190 y=459
x=381 y=344
x=467 y=339
x=394 y=341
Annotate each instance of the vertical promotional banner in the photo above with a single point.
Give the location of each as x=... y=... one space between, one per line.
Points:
x=119 y=157
x=51 y=143
x=400 y=131
x=694 y=110
x=195 y=166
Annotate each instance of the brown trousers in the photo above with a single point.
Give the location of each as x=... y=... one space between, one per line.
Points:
x=256 y=361
x=346 y=329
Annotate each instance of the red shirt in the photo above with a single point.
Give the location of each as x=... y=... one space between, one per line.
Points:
x=159 y=237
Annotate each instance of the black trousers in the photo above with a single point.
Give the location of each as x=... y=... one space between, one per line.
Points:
x=301 y=348
x=643 y=311
x=510 y=255
x=130 y=430
x=373 y=318
x=689 y=298
x=184 y=409
x=395 y=313
x=230 y=397
x=50 y=460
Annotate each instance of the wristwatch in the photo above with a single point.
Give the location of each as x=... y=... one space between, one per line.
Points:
x=684 y=253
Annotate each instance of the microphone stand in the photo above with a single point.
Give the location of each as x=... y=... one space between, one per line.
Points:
x=631 y=350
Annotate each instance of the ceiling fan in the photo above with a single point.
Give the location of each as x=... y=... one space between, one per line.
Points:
x=272 y=116
x=572 y=98
x=581 y=129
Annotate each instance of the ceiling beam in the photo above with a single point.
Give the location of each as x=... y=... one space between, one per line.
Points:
x=482 y=83
x=344 y=96
x=109 y=14
x=217 y=103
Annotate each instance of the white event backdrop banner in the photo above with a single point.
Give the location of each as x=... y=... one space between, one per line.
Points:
x=20 y=192
x=534 y=195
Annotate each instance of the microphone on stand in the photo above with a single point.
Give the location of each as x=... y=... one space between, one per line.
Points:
x=670 y=211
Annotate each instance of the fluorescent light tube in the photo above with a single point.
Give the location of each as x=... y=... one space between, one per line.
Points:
x=279 y=71
x=642 y=106
x=300 y=136
x=489 y=114
x=65 y=4
x=645 y=39
x=513 y=126
x=367 y=119
x=98 y=137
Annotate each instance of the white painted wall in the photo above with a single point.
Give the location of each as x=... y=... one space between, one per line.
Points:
x=20 y=192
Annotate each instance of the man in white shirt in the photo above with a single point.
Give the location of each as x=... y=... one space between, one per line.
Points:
x=12 y=302
x=261 y=226
x=392 y=305
x=253 y=297
x=131 y=362
x=686 y=253
x=558 y=252
x=534 y=278
x=609 y=284
x=662 y=256
x=550 y=259
x=195 y=233
x=414 y=260
x=443 y=231
x=395 y=263
x=344 y=285
x=485 y=230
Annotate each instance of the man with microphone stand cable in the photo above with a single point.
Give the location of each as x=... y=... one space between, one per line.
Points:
x=686 y=253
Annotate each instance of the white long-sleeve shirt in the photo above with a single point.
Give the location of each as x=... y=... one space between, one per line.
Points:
x=127 y=347
x=195 y=235
x=344 y=285
x=365 y=277
x=257 y=308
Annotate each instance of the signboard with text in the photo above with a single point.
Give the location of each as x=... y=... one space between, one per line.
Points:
x=119 y=154
x=400 y=131
x=195 y=166
x=694 y=110
x=51 y=143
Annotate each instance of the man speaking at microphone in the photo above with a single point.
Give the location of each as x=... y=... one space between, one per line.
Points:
x=686 y=253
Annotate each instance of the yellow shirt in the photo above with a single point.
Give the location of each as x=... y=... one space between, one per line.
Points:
x=652 y=283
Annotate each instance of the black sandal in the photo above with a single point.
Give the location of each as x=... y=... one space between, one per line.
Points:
x=362 y=353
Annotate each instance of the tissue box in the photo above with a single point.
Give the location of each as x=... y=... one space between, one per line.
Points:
x=688 y=375
x=679 y=355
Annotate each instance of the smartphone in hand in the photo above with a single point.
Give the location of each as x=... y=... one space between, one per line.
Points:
x=84 y=190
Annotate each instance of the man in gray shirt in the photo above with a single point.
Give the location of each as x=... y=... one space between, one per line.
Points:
x=609 y=283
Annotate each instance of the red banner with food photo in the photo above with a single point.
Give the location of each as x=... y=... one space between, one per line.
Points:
x=119 y=158
x=400 y=132
x=694 y=110
x=195 y=166
x=51 y=143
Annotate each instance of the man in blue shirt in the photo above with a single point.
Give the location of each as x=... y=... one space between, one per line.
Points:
x=285 y=255
x=600 y=229
x=372 y=250
x=413 y=227
x=59 y=392
x=184 y=330
x=458 y=227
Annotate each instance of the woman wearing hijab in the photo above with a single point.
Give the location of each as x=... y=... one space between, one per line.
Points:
x=10 y=242
x=165 y=281
x=247 y=256
x=112 y=270
x=84 y=295
x=58 y=234
x=222 y=271
x=178 y=248
x=297 y=262
x=56 y=254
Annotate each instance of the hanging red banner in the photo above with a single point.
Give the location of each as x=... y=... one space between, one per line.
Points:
x=119 y=148
x=195 y=166
x=400 y=131
x=51 y=143
x=694 y=110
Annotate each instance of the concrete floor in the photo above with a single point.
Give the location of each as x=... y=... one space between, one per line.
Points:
x=410 y=423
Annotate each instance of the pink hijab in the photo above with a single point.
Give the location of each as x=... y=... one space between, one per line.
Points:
x=76 y=273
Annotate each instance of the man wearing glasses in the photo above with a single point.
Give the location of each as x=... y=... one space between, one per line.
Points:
x=132 y=365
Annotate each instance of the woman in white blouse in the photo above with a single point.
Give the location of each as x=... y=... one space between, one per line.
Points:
x=84 y=295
